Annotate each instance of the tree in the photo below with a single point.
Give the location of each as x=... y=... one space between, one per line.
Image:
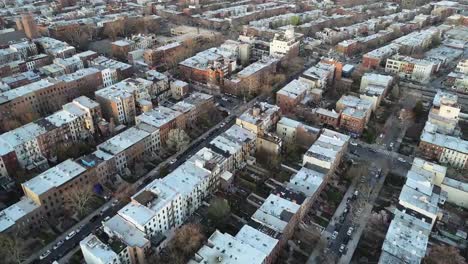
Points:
x=444 y=255
x=177 y=139
x=78 y=36
x=295 y=20
x=218 y=211
x=78 y=198
x=11 y=249
x=187 y=240
x=418 y=110
x=113 y=29
x=396 y=91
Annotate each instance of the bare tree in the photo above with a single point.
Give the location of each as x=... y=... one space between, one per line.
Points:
x=444 y=255
x=78 y=198
x=187 y=239
x=78 y=36
x=177 y=139
x=11 y=249
x=113 y=29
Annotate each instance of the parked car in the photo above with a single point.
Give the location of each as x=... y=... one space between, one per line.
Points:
x=342 y=248
x=59 y=243
x=334 y=235
x=350 y=231
x=70 y=235
x=400 y=159
x=93 y=219
x=353 y=143
x=44 y=255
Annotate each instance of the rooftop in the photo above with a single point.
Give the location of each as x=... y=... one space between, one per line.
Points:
x=13 y=213
x=128 y=233
x=257 y=239
x=306 y=181
x=98 y=249
x=158 y=116
x=295 y=88
x=224 y=248
x=276 y=212
x=54 y=177
x=123 y=140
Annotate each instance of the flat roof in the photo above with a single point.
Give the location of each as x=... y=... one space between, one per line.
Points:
x=306 y=181
x=295 y=88
x=54 y=177
x=427 y=203
x=128 y=233
x=123 y=140
x=13 y=213
x=227 y=249
x=158 y=116
x=257 y=239
x=276 y=212
x=98 y=249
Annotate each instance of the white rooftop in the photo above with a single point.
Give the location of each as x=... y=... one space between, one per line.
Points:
x=127 y=232
x=276 y=212
x=295 y=88
x=123 y=140
x=54 y=177
x=158 y=116
x=13 y=213
x=306 y=181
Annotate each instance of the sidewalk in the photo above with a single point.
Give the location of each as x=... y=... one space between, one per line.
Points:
x=331 y=225
x=84 y=221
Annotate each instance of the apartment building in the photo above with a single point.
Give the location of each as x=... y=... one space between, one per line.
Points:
x=260 y=118
x=409 y=68
x=54 y=47
x=292 y=131
x=408 y=235
x=440 y=137
x=286 y=44
x=46 y=194
x=374 y=87
x=320 y=75
x=131 y=146
x=445 y=113
x=48 y=95
x=248 y=246
x=31 y=145
x=161 y=84
x=119 y=101
x=328 y=117
x=166 y=203
x=112 y=71
x=291 y=95
x=327 y=151
x=211 y=65
x=163 y=119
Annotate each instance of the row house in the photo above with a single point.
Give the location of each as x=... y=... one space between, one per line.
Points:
x=112 y=71
x=48 y=95
x=273 y=223
x=143 y=225
x=409 y=68
x=34 y=143
x=45 y=195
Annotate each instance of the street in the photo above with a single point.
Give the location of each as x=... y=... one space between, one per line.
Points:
x=88 y=227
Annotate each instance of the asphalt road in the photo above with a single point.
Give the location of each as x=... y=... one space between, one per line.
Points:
x=181 y=157
x=88 y=227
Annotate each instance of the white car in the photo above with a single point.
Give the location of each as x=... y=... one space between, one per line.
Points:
x=350 y=231
x=400 y=159
x=353 y=143
x=172 y=161
x=44 y=255
x=334 y=235
x=70 y=235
